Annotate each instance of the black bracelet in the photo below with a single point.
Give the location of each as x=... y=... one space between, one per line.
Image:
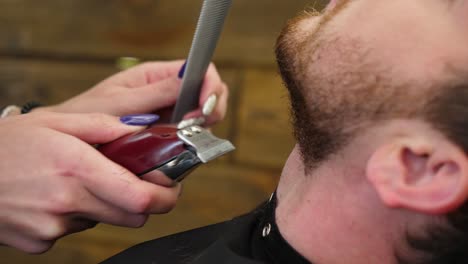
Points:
x=28 y=107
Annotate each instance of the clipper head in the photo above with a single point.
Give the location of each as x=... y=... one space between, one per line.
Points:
x=207 y=146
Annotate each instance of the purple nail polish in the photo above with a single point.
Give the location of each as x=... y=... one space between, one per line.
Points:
x=139 y=120
x=182 y=70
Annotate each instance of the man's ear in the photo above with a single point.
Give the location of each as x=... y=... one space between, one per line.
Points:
x=428 y=176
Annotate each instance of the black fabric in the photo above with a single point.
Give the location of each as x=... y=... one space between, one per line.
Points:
x=238 y=241
x=272 y=247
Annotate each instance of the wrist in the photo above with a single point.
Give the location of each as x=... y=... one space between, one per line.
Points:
x=44 y=109
x=14 y=110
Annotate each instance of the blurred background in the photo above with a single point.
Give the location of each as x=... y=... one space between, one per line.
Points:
x=51 y=50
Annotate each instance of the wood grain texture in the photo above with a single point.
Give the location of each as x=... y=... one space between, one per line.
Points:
x=47 y=82
x=145 y=28
x=264 y=134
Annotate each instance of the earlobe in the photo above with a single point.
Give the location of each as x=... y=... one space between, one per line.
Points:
x=428 y=177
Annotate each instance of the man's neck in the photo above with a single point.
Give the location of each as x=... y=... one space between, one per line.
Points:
x=329 y=217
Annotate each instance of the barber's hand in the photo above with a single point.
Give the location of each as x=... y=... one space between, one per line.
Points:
x=53 y=182
x=144 y=89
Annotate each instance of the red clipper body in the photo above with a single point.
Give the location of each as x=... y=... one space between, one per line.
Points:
x=168 y=149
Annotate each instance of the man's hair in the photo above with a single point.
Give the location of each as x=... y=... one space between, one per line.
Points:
x=351 y=92
x=447 y=243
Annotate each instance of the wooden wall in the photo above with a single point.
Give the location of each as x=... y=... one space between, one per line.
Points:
x=51 y=50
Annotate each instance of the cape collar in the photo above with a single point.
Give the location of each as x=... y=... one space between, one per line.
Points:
x=268 y=241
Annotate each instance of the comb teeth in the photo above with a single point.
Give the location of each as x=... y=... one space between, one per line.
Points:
x=209 y=27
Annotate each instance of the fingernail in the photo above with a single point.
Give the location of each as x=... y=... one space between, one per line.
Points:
x=182 y=70
x=191 y=122
x=139 y=120
x=210 y=105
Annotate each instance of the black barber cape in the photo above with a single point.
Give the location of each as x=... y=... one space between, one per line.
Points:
x=250 y=239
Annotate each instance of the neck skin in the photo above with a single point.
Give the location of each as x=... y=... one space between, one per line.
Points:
x=334 y=214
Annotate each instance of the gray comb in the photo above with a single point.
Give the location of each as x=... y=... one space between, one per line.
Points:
x=209 y=27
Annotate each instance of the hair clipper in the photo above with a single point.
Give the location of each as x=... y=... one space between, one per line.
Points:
x=174 y=150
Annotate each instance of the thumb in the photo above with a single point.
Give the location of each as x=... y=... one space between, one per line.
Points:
x=157 y=95
x=91 y=128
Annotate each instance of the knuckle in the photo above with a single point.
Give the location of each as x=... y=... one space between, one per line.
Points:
x=143 y=203
x=62 y=203
x=37 y=247
x=68 y=168
x=169 y=203
x=52 y=231
x=160 y=203
x=138 y=221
